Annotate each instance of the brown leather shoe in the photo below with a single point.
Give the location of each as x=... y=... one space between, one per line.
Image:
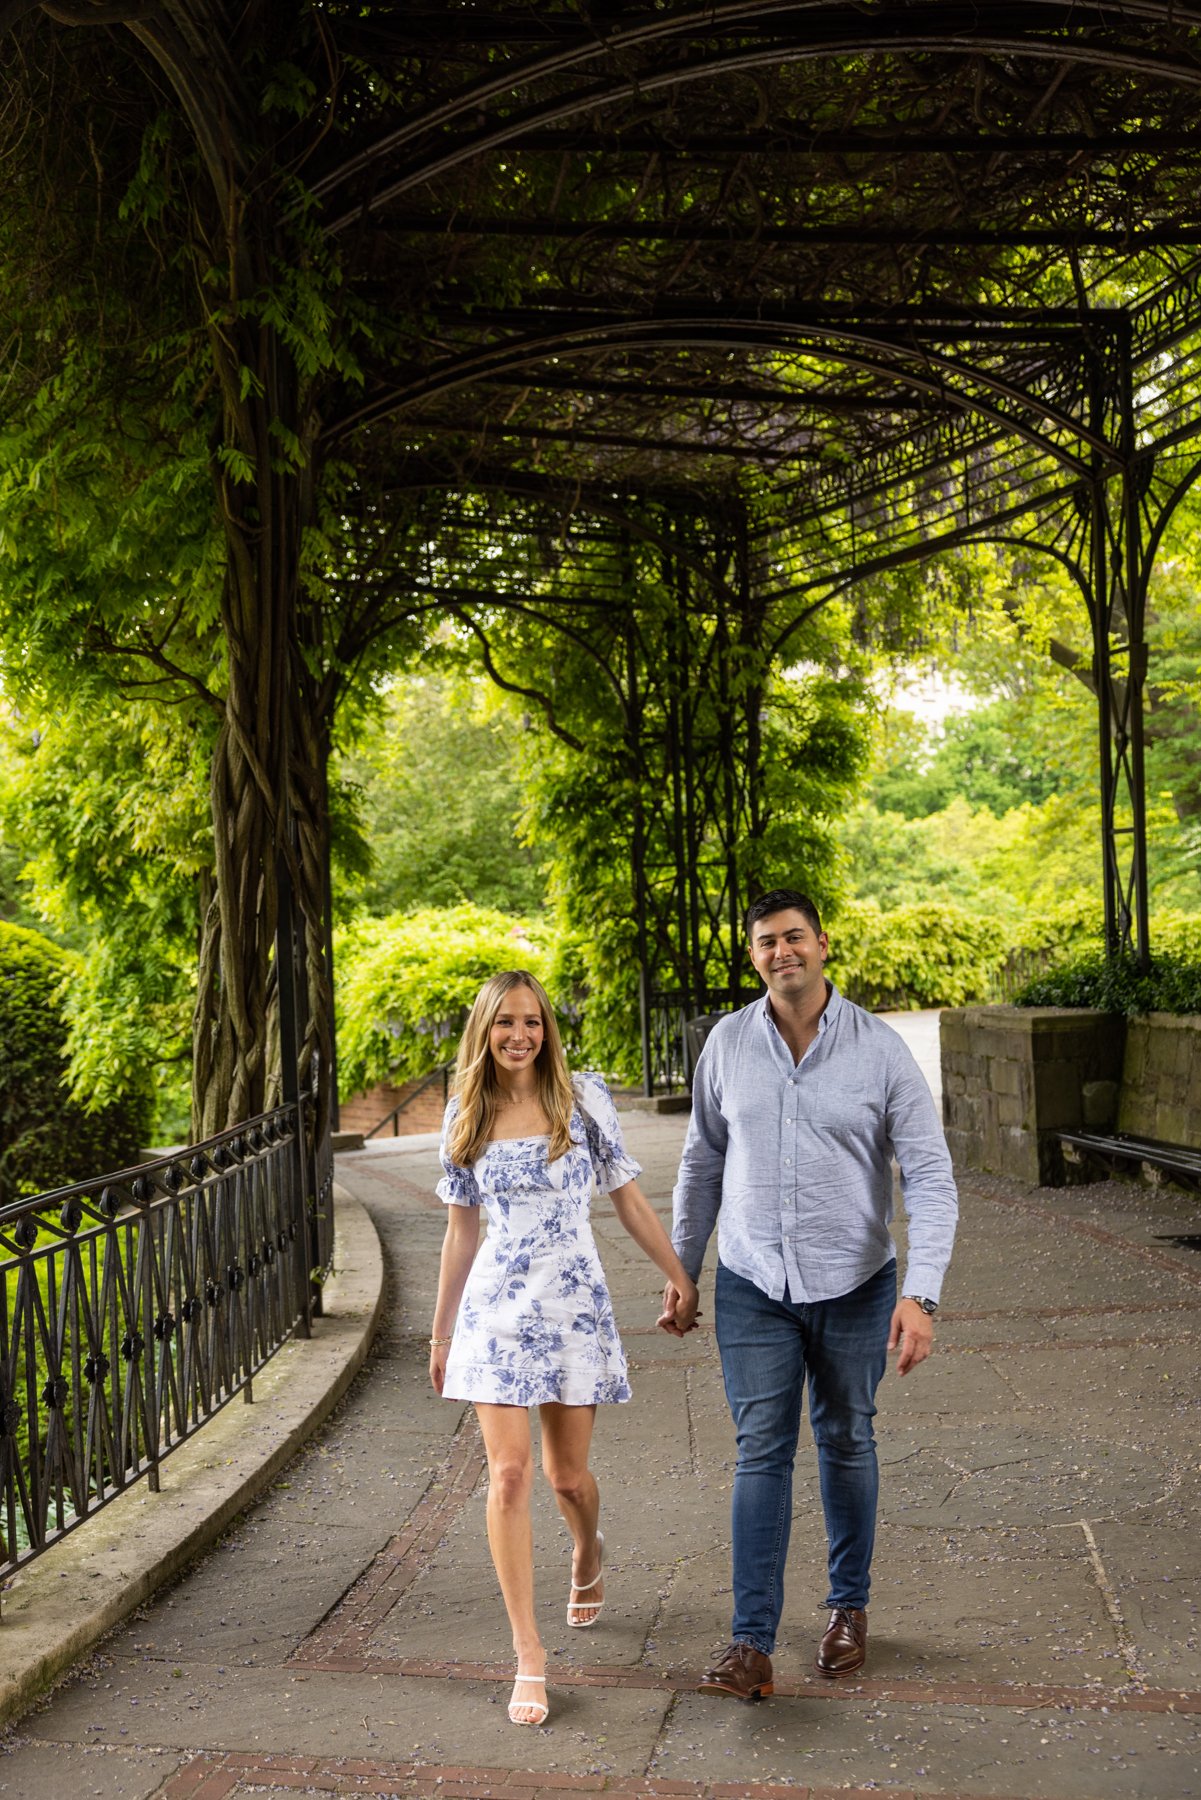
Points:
x=843 y=1650
x=740 y=1670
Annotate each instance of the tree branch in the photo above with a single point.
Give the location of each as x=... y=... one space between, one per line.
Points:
x=512 y=687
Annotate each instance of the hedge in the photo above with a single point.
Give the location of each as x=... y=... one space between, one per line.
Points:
x=932 y=953
x=47 y=1139
x=404 y=985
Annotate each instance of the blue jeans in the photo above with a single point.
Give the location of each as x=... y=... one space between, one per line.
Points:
x=769 y=1348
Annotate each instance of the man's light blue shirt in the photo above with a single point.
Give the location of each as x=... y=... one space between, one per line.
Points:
x=793 y=1161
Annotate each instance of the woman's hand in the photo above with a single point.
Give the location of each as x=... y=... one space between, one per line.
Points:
x=438 y=1355
x=679 y=1313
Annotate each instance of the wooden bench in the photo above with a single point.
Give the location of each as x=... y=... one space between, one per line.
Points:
x=1118 y=1153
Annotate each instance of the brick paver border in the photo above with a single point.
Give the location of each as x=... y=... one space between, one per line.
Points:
x=342 y=1643
x=903 y=1690
x=345 y=1633
x=223 y=1777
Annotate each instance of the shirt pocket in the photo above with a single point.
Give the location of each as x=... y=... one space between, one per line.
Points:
x=847 y=1112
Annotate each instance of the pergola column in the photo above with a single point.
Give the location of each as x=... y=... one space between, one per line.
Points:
x=1117 y=611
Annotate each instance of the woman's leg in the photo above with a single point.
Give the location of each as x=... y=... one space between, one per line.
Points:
x=566 y=1442
x=506 y=1431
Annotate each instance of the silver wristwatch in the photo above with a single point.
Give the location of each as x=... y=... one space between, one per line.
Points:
x=927 y=1306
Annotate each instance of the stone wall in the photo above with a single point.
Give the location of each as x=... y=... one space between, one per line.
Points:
x=1014 y=1075
x=1161 y=1079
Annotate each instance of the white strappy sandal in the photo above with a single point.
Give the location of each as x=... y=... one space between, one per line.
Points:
x=535 y=1706
x=593 y=1607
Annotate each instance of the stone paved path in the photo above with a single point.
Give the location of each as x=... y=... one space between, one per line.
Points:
x=1035 y=1615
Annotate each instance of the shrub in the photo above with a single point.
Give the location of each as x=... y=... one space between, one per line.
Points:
x=932 y=953
x=47 y=1139
x=404 y=985
x=1172 y=984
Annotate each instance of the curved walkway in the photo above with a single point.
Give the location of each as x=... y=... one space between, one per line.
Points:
x=1035 y=1618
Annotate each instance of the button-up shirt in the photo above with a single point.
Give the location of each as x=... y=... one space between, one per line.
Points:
x=793 y=1161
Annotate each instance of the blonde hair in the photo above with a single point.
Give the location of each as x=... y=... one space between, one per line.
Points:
x=475 y=1081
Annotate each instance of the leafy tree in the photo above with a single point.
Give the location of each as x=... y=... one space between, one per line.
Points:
x=109 y=805
x=773 y=756
x=47 y=1138
x=439 y=800
x=1018 y=634
x=174 y=332
x=1029 y=859
x=976 y=757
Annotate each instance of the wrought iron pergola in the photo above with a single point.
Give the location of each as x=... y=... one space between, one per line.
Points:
x=785 y=293
x=847 y=284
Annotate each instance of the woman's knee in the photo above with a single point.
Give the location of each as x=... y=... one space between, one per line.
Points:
x=573 y=1486
x=510 y=1481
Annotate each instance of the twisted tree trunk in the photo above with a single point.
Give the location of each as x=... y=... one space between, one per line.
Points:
x=267 y=778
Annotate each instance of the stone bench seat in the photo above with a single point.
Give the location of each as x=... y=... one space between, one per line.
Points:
x=1121 y=1153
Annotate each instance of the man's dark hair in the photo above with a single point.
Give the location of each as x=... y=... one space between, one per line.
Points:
x=781 y=900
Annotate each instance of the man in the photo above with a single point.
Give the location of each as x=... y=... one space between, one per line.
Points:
x=799 y=1103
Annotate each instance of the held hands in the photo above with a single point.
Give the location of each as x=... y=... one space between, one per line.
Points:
x=679 y=1313
x=913 y=1331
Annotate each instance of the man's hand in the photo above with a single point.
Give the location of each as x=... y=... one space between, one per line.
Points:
x=679 y=1309
x=913 y=1330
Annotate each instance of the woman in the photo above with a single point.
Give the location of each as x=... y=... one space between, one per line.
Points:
x=528 y=1322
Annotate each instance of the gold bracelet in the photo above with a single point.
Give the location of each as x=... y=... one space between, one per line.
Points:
x=434 y=1341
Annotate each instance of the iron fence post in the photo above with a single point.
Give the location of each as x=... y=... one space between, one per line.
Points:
x=289 y=1060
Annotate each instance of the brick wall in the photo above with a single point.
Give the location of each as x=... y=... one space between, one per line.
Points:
x=361 y=1111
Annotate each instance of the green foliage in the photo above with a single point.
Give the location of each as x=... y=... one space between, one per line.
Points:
x=439 y=799
x=1024 y=861
x=1172 y=983
x=925 y=954
x=109 y=804
x=47 y=1138
x=595 y=977
x=978 y=758
x=405 y=983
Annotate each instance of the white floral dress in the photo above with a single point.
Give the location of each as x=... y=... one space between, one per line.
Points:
x=536 y=1322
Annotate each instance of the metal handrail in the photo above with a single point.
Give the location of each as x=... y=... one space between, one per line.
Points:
x=441 y=1073
x=134 y=1306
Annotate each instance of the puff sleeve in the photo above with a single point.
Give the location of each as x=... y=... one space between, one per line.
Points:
x=612 y=1163
x=458 y=1186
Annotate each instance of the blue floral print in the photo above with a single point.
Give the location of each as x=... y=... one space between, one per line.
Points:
x=536 y=1321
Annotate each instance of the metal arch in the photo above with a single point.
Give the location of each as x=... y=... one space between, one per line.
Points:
x=634 y=334
x=830 y=326
x=976 y=40
x=1177 y=234
x=832 y=587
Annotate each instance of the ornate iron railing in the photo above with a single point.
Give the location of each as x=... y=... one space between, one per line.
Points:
x=677 y=1024
x=134 y=1306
